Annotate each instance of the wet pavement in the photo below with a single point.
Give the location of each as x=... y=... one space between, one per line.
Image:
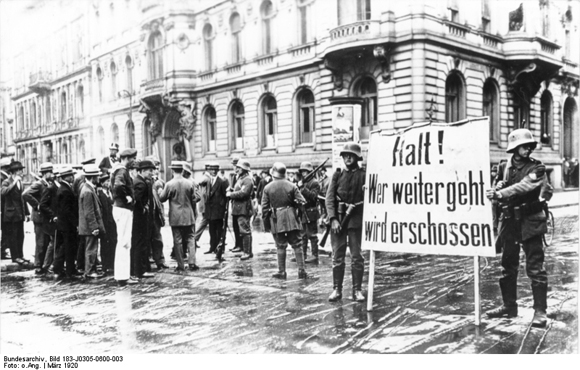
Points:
x=422 y=304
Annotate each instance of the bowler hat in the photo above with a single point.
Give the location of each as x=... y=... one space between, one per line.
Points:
x=91 y=169
x=16 y=165
x=146 y=164
x=129 y=152
x=46 y=167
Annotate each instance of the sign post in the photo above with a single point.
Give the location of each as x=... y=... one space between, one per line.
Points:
x=425 y=193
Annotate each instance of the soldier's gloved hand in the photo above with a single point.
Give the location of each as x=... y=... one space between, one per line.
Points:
x=335 y=226
x=500 y=185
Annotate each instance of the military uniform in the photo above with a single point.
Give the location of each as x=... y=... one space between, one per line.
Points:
x=310 y=191
x=242 y=210
x=279 y=211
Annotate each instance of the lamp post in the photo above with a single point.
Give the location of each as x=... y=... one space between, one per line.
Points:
x=125 y=93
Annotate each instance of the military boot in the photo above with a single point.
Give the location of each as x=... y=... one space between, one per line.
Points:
x=357 y=276
x=503 y=311
x=337 y=278
x=314 y=258
x=281 y=255
x=540 y=293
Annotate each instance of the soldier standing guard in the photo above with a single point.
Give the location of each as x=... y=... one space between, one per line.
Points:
x=345 y=210
x=279 y=213
x=310 y=191
x=522 y=223
x=242 y=210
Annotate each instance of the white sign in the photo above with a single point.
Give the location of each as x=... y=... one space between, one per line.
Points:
x=344 y=118
x=425 y=190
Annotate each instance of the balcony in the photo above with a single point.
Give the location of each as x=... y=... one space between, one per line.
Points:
x=40 y=82
x=361 y=30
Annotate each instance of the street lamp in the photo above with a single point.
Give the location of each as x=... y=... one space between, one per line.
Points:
x=124 y=94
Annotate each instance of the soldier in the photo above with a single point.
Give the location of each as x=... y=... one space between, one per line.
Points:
x=344 y=204
x=279 y=213
x=123 y=197
x=310 y=191
x=14 y=213
x=32 y=196
x=522 y=223
x=242 y=211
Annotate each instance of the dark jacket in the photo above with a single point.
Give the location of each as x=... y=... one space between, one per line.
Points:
x=107 y=211
x=67 y=211
x=90 y=215
x=279 y=199
x=523 y=185
x=48 y=205
x=122 y=186
x=13 y=207
x=107 y=163
x=310 y=191
x=32 y=196
x=215 y=205
x=242 y=196
x=143 y=208
x=346 y=186
x=158 y=211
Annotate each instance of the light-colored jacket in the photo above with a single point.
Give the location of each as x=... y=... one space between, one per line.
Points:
x=90 y=214
x=182 y=198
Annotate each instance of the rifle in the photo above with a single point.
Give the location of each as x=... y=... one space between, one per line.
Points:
x=311 y=175
x=343 y=224
x=221 y=247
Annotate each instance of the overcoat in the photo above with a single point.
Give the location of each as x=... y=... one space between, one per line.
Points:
x=216 y=199
x=242 y=196
x=48 y=205
x=67 y=211
x=90 y=214
x=13 y=207
x=310 y=192
x=346 y=186
x=182 y=198
x=32 y=196
x=280 y=196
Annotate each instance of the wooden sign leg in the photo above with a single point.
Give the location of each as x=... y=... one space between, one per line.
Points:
x=477 y=293
x=371 y=281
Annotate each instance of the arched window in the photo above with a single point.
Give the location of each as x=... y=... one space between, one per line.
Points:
x=63 y=113
x=114 y=133
x=101 y=140
x=546 y=117
x=366 y=88
x=156 y=55
x=269 y=122
x=491 y=108
x=100 y=83
x=237 y=115
x=113 y=81
x=129 y=67
x=267 y=12
x=235 y=28
x=209 y=118
x=208 y=46
x=33 y=115
x=570 y=132
x=81 y=100
x=454 y=98
x=304 y=21
x=306 y=127
x=130 y=134
x=521 y=109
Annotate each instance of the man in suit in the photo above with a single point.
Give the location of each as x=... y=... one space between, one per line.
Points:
x=238 y=247
x=109 y=238
x=215 y=206
x=123 y=197
x=67 y=222
x=109 y=162
x=5 y=166
x=48 y=210
x=90 y=219
x=14 y=213
x=32 y=196
x=182 y=198
x=158 y=218
x=142 y=220
x=242 y=210
x=202 y=221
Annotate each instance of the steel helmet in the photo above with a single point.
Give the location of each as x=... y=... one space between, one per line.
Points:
x=520 y=137
x=306 y=166
x=243 y=164
x=353 y=148
x=278 y=170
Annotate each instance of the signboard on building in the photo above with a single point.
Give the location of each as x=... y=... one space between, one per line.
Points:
x=345 y=125
x=425 y=190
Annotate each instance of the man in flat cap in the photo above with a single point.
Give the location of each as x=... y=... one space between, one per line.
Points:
x=14 y=213
x=32 y=196
x=142 y=220
x=91 y=224
x=123 y=198
x=108 y=162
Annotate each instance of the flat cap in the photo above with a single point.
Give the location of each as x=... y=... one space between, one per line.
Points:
x=129 y=152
